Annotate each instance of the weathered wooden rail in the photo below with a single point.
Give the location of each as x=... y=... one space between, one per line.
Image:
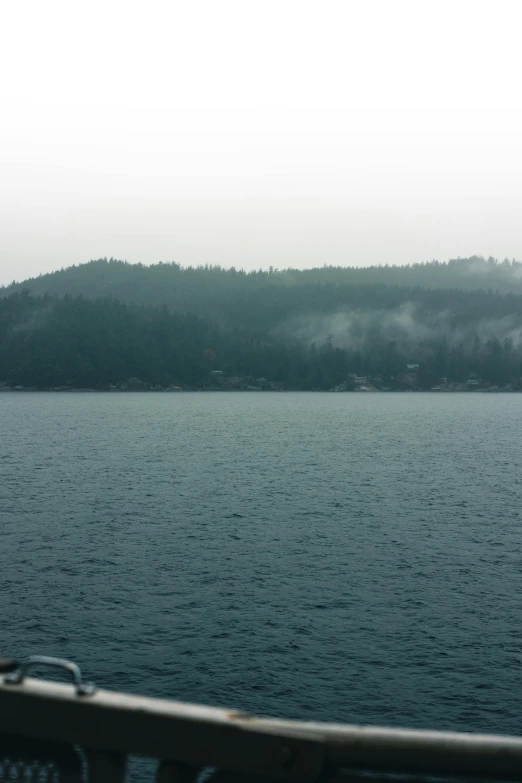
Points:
x=52 y=731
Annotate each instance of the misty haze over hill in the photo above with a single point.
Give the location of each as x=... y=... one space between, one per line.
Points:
x=169 y=282
x=106 y=321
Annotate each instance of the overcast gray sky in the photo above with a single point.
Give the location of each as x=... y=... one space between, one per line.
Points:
x=255 y=132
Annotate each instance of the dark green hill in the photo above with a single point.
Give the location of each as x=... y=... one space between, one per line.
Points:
x=210 y=286
x=261 y=301
x=315 y=336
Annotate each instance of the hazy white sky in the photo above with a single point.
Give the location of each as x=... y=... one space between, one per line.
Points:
x=257 y=132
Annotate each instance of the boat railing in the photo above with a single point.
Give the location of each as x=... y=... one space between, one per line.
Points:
x=50 y=731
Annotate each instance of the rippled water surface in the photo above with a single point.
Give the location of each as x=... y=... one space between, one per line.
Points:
x=340 y=557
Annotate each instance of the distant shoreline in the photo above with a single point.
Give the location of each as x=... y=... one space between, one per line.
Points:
x=486 y=390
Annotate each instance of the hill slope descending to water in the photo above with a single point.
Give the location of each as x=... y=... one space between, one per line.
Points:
x=228 y=330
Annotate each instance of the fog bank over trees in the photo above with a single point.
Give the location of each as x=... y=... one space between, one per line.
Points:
x=100 y=324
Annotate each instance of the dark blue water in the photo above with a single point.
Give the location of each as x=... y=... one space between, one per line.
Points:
x=338 y=557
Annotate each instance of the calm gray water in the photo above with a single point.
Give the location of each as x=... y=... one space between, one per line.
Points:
x=340 y=557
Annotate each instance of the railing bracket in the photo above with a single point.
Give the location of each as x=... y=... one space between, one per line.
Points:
x=18 y=671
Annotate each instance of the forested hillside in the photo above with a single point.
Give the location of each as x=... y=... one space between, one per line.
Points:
x=261 y=333
x=255 y=298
